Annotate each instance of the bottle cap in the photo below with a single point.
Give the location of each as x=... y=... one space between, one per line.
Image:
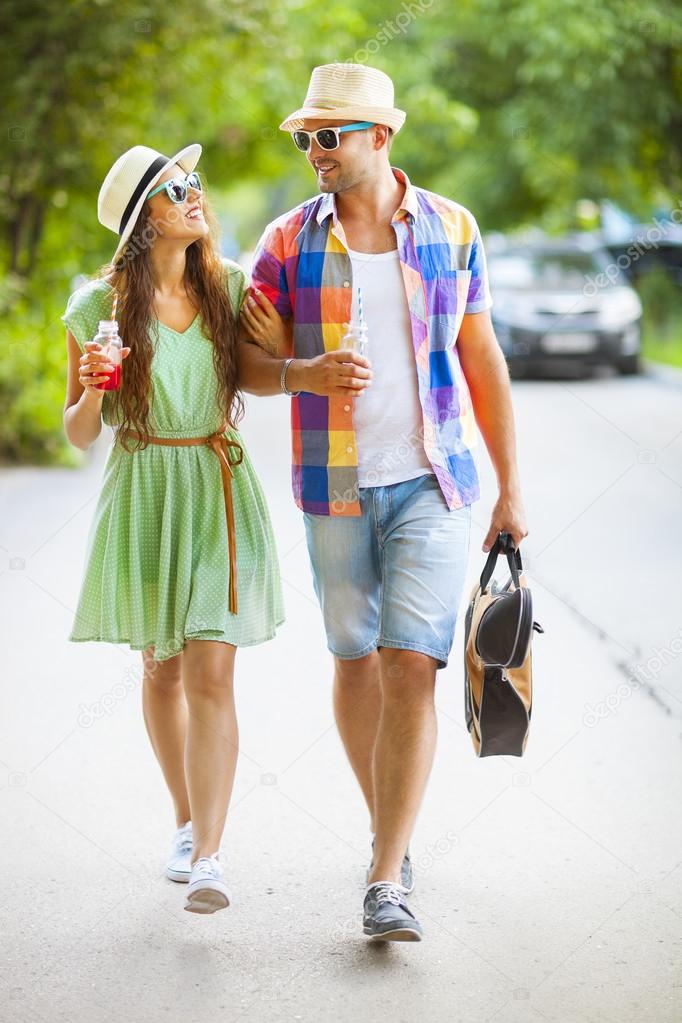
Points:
x=108 y=325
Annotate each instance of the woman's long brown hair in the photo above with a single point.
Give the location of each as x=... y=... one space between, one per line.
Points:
x=206 y=282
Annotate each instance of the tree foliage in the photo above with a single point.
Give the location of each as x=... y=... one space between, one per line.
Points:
x=516 y=108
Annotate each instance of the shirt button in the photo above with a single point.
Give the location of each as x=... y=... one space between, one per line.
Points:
x=346 y=284
x=346 y=408
x=349 y=450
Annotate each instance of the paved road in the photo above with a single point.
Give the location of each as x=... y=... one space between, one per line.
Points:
x=550 y=886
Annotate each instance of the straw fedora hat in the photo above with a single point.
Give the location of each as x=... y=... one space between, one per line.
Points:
x=127 y=184
x=348 y=92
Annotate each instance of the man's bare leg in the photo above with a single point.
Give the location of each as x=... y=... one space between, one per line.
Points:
x=357 y=708
x=403 y=754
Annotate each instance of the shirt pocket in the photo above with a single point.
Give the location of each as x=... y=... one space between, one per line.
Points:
x=450 y=293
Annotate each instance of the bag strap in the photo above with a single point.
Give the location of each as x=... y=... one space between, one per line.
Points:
x=504 y=544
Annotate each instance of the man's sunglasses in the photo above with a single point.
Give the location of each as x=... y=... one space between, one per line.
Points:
x=326 y=138
x=177 y=188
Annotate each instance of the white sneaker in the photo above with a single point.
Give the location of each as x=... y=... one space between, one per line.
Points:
x=179 y=864
x=207 y=891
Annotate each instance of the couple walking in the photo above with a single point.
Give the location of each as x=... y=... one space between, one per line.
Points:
x=181 y=561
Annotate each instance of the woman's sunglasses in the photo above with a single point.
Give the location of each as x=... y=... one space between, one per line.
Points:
x=177 y=188
x=326 y=138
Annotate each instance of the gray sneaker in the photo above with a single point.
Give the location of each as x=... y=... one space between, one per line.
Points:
x=386 y=916
x=406 y=872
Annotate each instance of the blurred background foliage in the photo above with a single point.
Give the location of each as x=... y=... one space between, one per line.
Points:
x=518 y=109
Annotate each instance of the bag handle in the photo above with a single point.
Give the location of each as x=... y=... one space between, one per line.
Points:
x=504 y=544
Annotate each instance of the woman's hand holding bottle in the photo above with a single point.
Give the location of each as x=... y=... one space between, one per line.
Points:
x=95 y=369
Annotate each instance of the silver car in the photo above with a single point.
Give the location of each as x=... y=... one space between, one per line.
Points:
x=558 y=302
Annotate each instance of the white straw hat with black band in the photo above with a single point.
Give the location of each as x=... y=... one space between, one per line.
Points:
x=128 y=183
x=348 y=92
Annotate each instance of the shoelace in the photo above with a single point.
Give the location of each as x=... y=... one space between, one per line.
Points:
x=387 y=891
x=205 y=867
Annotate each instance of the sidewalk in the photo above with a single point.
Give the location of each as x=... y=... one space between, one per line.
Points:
x=549 y=886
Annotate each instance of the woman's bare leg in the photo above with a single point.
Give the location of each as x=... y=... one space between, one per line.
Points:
x=165 y=715
x=212 y=739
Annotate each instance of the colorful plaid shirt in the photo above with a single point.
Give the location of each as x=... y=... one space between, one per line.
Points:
x=302 y=265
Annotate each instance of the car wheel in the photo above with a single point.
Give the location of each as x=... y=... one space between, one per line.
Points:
x=628 y=365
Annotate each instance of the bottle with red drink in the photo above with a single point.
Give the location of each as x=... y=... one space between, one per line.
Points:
x=108 y=338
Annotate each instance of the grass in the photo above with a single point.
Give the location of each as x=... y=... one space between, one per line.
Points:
x=663 y=343
x=662 y=319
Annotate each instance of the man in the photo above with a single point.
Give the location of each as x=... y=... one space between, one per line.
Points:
x=382 y=446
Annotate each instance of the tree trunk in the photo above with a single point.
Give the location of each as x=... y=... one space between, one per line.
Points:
x=25 y=230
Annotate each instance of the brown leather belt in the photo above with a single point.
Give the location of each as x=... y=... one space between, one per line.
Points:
x=221 y=445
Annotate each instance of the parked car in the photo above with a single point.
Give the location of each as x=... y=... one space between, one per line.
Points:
x=639 y=248
x=562 y=301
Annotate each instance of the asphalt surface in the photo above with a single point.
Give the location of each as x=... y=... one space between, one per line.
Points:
x=549 y=886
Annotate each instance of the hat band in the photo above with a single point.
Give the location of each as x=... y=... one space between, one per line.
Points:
x=146 y=178
x=328 y=104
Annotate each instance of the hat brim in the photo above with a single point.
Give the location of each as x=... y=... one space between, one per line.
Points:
x=390 y=116
x=187 y=158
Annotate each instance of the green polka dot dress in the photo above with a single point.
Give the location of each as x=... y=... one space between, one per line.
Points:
x=157 y=565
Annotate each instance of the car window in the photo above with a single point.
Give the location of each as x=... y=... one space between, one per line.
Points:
x=556 y=271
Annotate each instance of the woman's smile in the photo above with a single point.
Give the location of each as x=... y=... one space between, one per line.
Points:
x=195 y=212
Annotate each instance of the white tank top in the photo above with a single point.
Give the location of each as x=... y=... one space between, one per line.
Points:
x=387 y=417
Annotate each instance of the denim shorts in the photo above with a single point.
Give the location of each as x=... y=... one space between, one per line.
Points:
x=392 y=576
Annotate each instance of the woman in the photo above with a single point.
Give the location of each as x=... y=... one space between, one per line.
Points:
x=181 y=560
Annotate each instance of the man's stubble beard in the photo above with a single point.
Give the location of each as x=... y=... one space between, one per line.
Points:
x=342 y=184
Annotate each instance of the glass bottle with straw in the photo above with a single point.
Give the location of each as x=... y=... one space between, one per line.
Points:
x=356 y=338
x=108 y=338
